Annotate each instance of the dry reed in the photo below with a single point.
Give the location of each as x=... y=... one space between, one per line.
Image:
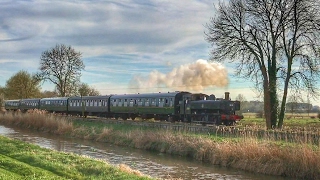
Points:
x=38 y=120
x=263 y=156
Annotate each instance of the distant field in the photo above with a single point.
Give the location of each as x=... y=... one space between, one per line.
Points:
x=287 y=115
x=290 y=120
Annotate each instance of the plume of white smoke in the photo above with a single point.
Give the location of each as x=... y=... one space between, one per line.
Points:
x=189 y=77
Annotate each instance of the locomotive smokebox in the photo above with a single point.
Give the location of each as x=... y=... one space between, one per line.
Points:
x=226 y=96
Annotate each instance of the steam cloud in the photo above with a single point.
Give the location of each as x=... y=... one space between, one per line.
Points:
x=189 y=77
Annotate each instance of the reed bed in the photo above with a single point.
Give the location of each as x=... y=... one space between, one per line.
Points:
x=299 y=161
x=38 y=120
x=244 y=148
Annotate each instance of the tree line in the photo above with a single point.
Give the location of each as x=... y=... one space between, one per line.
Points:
x=60 y=65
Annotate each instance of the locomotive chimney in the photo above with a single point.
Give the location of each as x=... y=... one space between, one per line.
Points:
x=226 y=95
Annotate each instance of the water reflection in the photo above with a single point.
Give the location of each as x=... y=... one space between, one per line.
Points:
x=154 y=164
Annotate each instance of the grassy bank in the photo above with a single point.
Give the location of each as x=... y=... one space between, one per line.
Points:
x=247 y=152
x=19 y=160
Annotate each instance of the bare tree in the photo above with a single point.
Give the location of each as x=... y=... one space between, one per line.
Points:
x=62 y=66
x=240 y=97
x=300 y=42
x=22 y=85
x=243 y=103
x=275 y=44
x=49 y=94
x=292 y=105
x=2 y=91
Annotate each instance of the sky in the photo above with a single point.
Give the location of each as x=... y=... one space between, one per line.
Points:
x=127 y=46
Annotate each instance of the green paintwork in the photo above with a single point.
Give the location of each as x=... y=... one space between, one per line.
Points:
x=142 y=109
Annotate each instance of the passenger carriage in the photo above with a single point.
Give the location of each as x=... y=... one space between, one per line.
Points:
x=161 y=106
x=89 y=105
x=26 y=104
x=12 y=105
x=56 y=104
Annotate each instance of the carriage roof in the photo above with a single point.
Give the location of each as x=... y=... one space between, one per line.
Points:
x=88 y=97
x=146 y=95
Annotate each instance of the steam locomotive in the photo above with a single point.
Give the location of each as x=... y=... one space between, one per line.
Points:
x=172 y=106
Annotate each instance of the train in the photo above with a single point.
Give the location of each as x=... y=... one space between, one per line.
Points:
x=169 y=106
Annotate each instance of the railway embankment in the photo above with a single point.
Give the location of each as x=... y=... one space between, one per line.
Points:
x=299 y=159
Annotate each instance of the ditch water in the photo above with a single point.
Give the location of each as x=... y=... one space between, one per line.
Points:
x=156 y=165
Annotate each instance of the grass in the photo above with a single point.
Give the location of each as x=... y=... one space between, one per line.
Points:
x=19 y=160
x=246 y=148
